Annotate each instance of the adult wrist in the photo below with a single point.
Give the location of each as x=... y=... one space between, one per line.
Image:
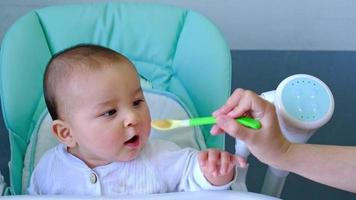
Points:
x=283 y=159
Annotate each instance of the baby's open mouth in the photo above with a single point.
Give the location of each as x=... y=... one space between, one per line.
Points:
x=132 y=142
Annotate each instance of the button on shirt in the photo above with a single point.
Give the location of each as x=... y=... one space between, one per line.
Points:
x=93 y=178
x=161 y=167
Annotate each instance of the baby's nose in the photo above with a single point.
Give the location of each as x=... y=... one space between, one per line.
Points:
x=131 y=119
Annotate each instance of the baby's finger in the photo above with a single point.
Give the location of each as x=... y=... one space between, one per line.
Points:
x=240 y=161
x=225 y=161
x=213 y=159
x=203 y=158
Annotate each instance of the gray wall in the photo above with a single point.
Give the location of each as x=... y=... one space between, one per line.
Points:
x=270 y=40
x=252 y=24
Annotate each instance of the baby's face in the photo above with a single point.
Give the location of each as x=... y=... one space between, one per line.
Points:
x=109 y=119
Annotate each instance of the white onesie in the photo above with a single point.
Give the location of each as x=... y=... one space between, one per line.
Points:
x=161 y=167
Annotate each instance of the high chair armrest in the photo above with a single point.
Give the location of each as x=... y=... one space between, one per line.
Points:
x=240 y=183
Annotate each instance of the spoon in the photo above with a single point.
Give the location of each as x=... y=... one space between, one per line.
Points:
x=168 y=124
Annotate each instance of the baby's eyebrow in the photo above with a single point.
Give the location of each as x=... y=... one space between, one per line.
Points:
x=138 y=90
x=104 y=103
x=111 y=101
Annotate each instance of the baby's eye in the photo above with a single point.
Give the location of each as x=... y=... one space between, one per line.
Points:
x=110 y=113
x=138 y=102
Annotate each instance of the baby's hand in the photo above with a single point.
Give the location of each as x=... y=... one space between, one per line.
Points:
x=218 y=166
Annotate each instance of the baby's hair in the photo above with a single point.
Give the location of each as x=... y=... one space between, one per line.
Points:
x=63 y=64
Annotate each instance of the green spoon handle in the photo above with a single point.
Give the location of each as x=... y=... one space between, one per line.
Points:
x=246 y=121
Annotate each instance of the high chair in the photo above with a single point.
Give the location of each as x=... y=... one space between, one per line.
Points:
x=182 y=58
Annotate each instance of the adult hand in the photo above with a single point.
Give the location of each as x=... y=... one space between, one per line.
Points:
x=267 y=144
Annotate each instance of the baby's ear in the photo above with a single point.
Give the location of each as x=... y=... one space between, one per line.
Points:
x=62 y=132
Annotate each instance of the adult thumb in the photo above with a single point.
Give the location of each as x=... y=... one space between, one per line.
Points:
x=231 y=127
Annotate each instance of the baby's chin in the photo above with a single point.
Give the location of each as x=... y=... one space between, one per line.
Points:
x=130 y=155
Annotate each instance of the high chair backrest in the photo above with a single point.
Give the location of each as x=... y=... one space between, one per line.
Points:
x=175 y=49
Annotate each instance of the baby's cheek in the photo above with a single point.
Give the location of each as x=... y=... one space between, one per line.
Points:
x=112 y=142
x=146 y=130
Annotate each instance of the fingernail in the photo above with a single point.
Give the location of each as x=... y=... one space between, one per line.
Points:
x=214 y=130
x=215 y=113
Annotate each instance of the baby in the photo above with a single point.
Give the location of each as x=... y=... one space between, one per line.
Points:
x=102 y=121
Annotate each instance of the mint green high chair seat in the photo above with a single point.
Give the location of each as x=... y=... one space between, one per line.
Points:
x=175 y=49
